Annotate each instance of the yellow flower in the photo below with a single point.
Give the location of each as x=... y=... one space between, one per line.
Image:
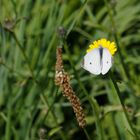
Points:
x=103 y=43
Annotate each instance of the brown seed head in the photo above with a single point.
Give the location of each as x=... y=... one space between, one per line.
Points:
x=62 y=79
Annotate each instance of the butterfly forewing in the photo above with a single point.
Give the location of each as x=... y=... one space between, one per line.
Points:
x=92 y=61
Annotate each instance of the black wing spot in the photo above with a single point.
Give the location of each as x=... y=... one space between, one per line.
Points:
x=107 y=62
x=90 y=63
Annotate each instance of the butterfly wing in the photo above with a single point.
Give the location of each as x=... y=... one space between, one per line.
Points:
x=106 y=61
x=91 y=62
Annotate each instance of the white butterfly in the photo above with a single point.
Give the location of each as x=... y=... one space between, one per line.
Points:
x=97 y=61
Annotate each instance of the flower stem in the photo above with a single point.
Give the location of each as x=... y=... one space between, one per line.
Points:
x=87 y=135
x=122 y=104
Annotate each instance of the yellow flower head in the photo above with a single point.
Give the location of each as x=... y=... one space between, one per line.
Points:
x=103 y=43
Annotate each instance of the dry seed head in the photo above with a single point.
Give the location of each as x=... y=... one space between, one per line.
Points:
x=62 y=79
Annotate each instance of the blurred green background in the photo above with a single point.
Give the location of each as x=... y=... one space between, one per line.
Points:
x=32 y=106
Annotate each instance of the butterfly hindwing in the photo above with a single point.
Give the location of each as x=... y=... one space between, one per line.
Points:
x=106 y=61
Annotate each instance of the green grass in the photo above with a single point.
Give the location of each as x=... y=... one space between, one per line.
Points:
x=32 y=105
